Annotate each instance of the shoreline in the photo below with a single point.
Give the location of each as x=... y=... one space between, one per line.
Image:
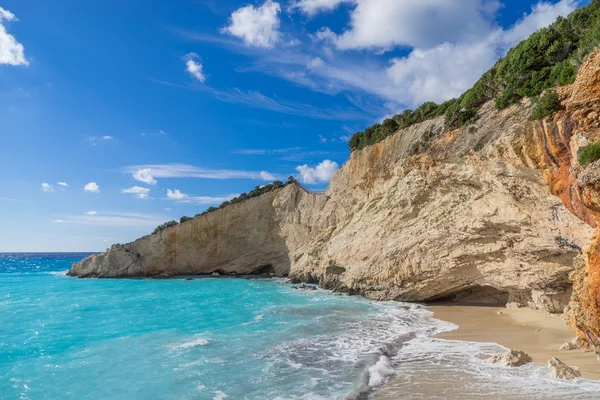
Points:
x=534 y=332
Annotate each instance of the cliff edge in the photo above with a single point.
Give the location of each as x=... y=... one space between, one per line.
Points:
x=497 y=211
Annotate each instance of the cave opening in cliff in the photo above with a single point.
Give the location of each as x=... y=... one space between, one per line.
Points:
x=264 y=270
x=475 y=295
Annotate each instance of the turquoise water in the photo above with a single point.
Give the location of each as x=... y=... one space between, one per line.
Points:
x=67 y=338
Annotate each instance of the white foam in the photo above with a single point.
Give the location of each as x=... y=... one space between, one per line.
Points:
x=379 y=372
x=219 y=395
x=59 y=273
x=187 y=345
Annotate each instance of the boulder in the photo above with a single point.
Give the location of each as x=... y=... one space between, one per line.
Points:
x=215 y=275
x=189 y=279
x=510 y=358
x=560 y=370
x=573 y=344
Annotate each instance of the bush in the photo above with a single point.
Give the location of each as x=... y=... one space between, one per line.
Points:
x=548 y=58
x=589 y=154
x=165 y=226
x=546 y=105
x=258 y=191
x=184 y=219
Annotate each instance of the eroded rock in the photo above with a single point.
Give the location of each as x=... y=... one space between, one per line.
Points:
x=560 y=370
x=510 y=358
x=573 y=344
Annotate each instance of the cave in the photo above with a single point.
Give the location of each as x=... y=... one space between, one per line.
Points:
x=264 y=270
x=475 y=295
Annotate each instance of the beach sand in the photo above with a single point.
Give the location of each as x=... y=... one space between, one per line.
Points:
x=533 y=332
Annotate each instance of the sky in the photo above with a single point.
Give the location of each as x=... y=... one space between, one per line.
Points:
x=116 y=116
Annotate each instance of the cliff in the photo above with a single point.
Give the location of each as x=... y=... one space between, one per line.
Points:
x=497 y=211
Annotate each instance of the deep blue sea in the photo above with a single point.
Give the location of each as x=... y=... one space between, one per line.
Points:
x=68 y=338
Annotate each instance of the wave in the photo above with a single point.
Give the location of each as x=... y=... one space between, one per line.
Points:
x=187 y=345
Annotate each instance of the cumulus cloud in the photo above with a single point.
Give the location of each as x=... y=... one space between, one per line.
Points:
x=385 y=24
x=320 y=174
x=139 y=192
x=266 y=176
x=91 y=213
x=92 y=187
x=11 y=51
x=176 y=194
x=194 y=67
x=436 y=74
x=435 y=31
x=256 y=26
x=63 y=184
x=144 y=175
x=46 y=187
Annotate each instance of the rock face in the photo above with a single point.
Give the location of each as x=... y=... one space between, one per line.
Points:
x=496 y=212
x=511 y=358
x=574 y=344
x=560 y=370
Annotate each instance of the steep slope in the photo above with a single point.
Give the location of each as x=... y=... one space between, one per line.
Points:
x=497 y=211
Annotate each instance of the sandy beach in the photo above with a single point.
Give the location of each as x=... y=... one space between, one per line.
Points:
x=533 y=332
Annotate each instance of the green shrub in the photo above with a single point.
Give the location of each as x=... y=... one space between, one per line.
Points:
x=258 y=191
x=164 y=226
x=589 y=154
x=546 y=105
x=548 y=58
x=184 y=219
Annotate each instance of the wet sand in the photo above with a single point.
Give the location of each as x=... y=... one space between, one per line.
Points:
x=533 y=332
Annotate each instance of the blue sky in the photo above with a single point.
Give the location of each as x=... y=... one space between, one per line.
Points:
x=116 y=116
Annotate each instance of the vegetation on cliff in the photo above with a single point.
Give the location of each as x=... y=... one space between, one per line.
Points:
x=589 y=154
x=550 y=57
x=257 y=191
x=546 y=105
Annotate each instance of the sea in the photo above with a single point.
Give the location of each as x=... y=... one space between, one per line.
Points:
x=207 y=338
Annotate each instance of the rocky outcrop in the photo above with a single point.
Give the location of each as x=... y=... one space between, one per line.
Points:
x=498 y=211
x=511 y=358
x=574 y=344
x=560 y=370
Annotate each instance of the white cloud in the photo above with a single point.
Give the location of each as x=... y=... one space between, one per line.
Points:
x=256 y=26
x=266 y=176
x=94 y=139
x=46 y=187
x=11 y=51
x=91 y=213
x=319 y=174
x=194 y=68
x=63 y=184
x=453 y=43
x=312 y=7
x=139 y=192
x=149 y=173
x=180 y=197
x=144 y=175
x=176 y=194
x=168 y=209
x=437 y=74
x=384 y=24
x=116 y=219
x=92 y=187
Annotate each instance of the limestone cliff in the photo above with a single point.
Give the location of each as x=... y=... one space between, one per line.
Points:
x=496 y=211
